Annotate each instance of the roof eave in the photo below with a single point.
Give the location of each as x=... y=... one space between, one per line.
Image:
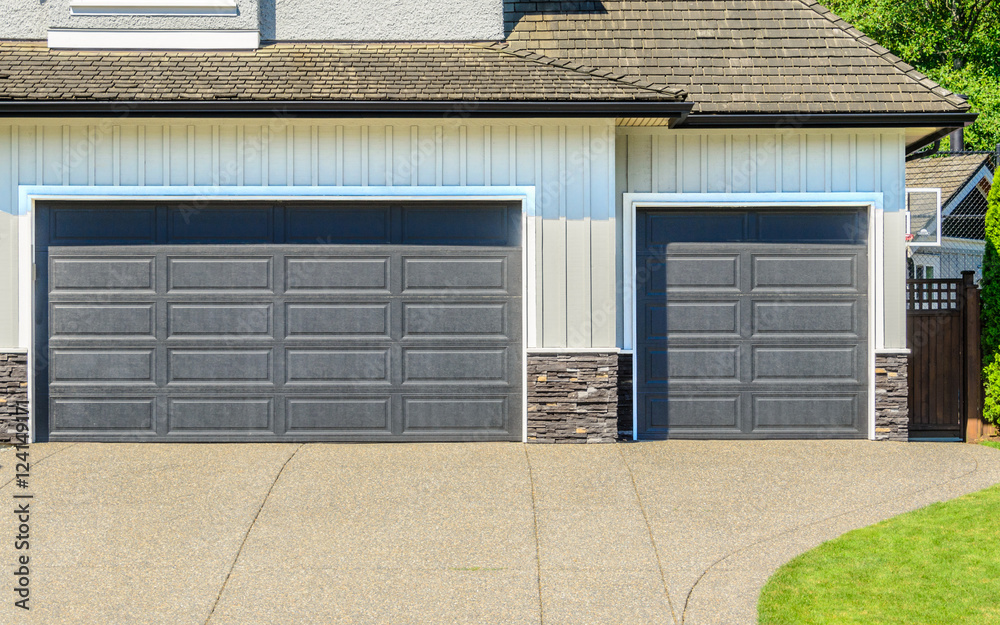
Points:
x=345 y=108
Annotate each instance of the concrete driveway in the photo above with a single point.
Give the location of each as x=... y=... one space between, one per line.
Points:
x=675 y=532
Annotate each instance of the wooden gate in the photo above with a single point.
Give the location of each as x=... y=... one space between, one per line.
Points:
x=945 y=392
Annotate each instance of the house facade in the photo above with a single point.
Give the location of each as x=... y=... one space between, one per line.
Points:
x=228 y=220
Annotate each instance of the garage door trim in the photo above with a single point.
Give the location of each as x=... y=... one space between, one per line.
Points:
x=871 y=202
x=28 y=195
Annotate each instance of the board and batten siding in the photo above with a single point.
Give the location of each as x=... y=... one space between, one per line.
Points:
x=657 y=160
x=571 y=166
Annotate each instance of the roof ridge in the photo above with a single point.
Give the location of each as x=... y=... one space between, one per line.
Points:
x=884 y=54
x=619 y=76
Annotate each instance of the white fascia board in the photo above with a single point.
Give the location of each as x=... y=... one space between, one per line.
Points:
x=153 y=7
x=109 y=39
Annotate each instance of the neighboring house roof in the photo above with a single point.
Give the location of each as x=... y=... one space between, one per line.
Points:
x=964 y=180
x=734 y=57
x=949 y=172
x=363 y=71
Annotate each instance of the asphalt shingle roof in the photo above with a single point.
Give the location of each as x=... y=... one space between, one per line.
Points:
x=363 y=71
x=949 y=172
x=761 y=56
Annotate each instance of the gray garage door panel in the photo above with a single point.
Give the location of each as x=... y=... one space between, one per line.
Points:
x=289 y=326
x=235 y=354
x=744 y=331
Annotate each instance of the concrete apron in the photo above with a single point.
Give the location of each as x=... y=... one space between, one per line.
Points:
x=670 y=532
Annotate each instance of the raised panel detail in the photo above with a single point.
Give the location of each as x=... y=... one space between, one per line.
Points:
x=804 y=272
x=103 y=414
x=220 y=225
x=327 y=225
x=337 y=320
x=106 y=226
x=806 y=364
x=454 y=273
x=703 y=272
x=336 y=273
x=454 y=319
x=337 y=413
x=219 y=273
x=685 y=411
x=700 y=363
x=219 y=366
x=454 y=365
x=807 y=412
x=101 y=320
x=216 y=319
x=805 y=317
x=101 y=274
x=715 y=318
x=427 y=413
x=228 y=413
x=101 y=365
x=448 y=226
x=340 y=365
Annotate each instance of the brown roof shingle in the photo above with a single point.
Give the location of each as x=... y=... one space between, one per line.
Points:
x=949 y=172
x=362 y=71
x=732 y=56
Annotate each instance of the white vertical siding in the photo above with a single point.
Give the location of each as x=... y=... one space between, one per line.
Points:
x=571 y=165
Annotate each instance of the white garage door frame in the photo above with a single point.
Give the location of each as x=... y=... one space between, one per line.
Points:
x=872 y=202
x=28 y=195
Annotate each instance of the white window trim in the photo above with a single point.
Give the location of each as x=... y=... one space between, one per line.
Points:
x=876 y=244
x=154 y=7
x=940 y=222
x=119 y=39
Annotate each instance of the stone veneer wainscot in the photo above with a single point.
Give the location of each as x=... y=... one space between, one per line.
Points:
x=13 y=392
x=573 y=397
x=892 y=418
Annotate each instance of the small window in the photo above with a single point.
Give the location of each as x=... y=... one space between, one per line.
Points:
x=153 y=7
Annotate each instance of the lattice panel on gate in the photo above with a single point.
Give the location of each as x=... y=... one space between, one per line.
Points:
x=933 y=295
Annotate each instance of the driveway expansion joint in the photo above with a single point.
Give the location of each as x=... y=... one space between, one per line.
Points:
x=538 y=549
x=652 y=539
x=246 y=535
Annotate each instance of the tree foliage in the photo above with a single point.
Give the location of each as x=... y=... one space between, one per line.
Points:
x=954 y=42
x=991 y=308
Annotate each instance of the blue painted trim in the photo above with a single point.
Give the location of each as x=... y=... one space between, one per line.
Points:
x=29 y=193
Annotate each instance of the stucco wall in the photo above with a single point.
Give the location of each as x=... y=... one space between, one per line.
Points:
x=286 y=20
x=381 y=20
x=31 y=19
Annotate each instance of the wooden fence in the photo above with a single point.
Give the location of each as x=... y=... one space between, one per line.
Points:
x=943 y=331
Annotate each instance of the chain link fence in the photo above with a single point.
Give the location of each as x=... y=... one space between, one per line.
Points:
x=963 y=221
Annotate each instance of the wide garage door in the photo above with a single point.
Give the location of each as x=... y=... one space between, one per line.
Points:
x=752 y=324
x=280 y=322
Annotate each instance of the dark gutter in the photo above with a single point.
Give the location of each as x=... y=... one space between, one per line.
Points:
x=339 y=108
x=831 y=120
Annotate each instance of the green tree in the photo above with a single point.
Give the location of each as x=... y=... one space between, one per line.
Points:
x=991 y=308
x=954 y=42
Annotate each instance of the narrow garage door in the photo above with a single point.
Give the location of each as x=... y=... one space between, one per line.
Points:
x=291 y=322
x=752 y=324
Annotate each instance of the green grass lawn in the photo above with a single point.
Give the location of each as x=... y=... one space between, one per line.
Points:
x=994 y=444
x=937 y=565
